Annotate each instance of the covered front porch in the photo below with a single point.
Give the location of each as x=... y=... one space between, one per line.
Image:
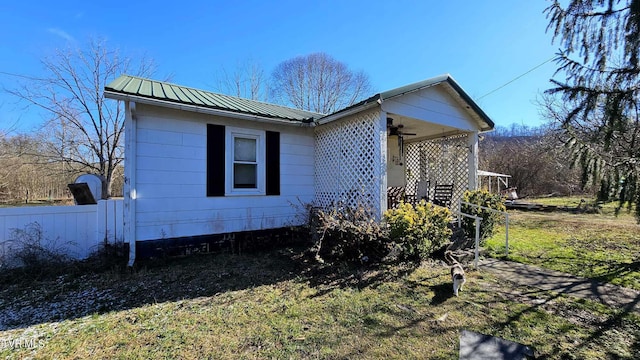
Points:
x=427 y=161
x=405 y=144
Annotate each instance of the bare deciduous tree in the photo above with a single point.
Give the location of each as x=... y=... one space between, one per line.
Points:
x=246 y=81
x=86 y=131
x=318 y=82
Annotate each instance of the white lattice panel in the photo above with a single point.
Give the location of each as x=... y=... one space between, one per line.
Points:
x=348 y=162
x=439 y=161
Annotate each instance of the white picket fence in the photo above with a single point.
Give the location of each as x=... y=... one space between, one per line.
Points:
x=77 y=230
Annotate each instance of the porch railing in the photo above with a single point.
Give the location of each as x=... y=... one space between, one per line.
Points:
x=506 y=218
x=477 y=221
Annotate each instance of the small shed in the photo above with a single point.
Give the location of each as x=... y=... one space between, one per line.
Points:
x=496 y=182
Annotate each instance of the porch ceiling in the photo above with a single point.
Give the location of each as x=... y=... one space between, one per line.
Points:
x=423 y=130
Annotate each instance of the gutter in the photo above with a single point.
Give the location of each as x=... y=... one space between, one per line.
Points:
x=202 y=109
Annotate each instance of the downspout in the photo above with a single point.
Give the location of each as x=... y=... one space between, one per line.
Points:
x=130 y=179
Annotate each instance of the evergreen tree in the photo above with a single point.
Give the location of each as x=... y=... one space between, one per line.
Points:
x=600 y=57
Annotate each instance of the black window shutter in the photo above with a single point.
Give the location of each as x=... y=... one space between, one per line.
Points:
x=215 y=160
x=273 y=163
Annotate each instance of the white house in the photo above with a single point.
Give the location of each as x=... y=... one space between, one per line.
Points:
x=200 y=165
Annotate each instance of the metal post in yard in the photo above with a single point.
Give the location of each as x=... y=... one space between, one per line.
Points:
x=506 y=246
x=477 y=243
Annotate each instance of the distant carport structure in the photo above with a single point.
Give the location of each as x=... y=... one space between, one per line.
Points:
x=487 y=179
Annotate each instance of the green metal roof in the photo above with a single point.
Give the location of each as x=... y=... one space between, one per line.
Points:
x=131 y=86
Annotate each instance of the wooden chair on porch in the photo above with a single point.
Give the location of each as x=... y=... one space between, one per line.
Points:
x=395 y=194
x=442 y=194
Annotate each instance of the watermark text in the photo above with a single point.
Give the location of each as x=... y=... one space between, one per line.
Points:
x=21 y=343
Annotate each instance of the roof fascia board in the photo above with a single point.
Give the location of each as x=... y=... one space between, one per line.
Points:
x=341 y=114
x=410 y=91
x=201 y=109
x=472 y=104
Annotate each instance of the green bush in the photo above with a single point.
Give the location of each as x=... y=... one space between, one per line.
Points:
x=489 y=218
x=419 y=230
x=348 y=234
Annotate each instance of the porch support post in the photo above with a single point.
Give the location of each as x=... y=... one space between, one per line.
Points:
x=472 y=145
x=382 y=135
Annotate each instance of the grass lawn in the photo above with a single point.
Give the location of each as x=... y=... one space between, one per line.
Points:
x=599 y=246
x=281 y=305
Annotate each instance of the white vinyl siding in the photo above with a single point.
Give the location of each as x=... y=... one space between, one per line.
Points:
x=172 y=178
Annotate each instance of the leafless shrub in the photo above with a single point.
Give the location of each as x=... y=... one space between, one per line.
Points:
x=32 y=252
x=348 y=234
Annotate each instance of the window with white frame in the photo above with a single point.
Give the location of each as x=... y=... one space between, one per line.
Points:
x=245 y=161
x=242 y=161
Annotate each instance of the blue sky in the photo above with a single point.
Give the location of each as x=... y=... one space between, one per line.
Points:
x=482 y=44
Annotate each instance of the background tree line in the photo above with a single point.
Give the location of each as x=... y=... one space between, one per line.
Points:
x=536 y=159
x=29 y=172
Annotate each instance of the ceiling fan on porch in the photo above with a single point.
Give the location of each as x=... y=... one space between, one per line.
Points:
x=396 y=130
